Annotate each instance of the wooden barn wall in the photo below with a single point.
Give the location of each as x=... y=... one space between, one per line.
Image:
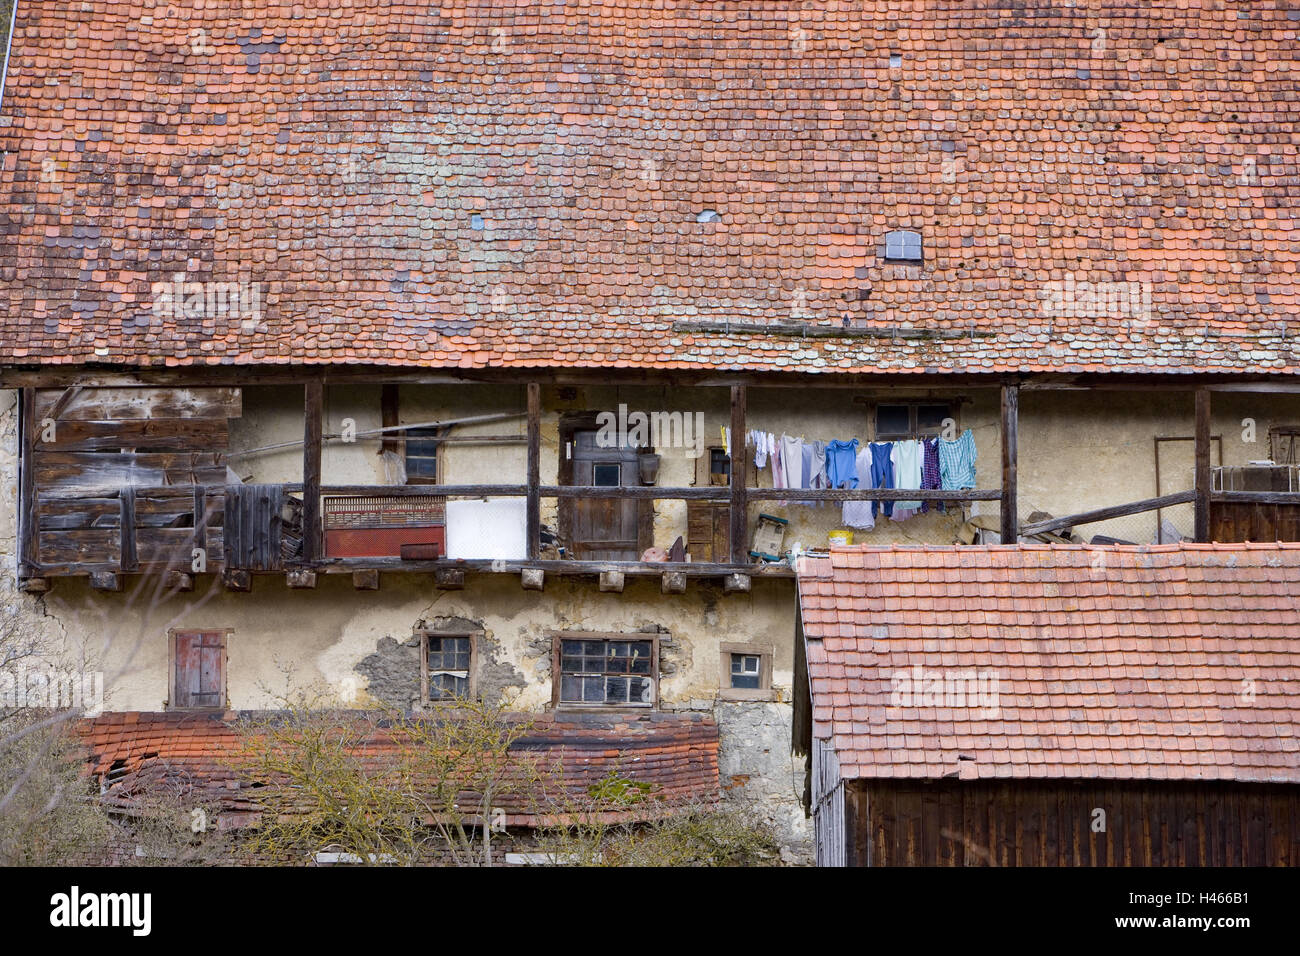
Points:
x=1239 y=521
x=974 y=823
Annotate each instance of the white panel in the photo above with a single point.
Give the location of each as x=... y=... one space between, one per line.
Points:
x=492 y=529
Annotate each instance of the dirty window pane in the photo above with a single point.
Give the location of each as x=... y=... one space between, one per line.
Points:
x=929 y=418
x=606 y=476
x=893 y=420
x=745 y=671
x=448 y=686
x=422 y=454
x=601 y=672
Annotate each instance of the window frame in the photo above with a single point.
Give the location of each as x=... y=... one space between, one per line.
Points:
x=437 y=460
x=172 y=634
x=764 y=652
x=471 y=675
x=557 y=675
x=895 y=260
x=913 y=406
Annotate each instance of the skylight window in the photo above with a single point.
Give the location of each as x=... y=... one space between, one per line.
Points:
x=903 y=245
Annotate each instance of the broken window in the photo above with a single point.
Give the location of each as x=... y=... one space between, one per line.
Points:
x=198 y=670
x=448 y=666
x=613 y=671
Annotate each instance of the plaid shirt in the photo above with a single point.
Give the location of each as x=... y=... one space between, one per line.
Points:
x=930 y=476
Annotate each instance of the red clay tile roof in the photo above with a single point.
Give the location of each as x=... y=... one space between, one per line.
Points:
x=335 y=154
x=1120 y=663
x=676 y=754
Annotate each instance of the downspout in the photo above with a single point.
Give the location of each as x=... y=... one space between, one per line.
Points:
x=9 y=43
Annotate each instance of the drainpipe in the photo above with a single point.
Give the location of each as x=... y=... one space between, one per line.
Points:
x=9 y=43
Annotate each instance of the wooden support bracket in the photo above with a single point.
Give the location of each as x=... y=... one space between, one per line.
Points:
x=611 y=581
x=36 y=585
x=365 y=580
x=736 y=583
x=449 y=579
x=673 y=582
x=237 y=579
x=301 y=579
x=105 y=581
x=178 y=581
x=532 y=579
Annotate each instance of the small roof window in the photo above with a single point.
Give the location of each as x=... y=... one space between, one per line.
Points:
x=903 y=245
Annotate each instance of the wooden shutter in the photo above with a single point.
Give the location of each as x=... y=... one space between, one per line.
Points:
x=198 y=670
x=708 y=531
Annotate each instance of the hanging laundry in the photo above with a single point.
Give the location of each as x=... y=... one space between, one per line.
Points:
x=930 y=477
x=957 y=462
x=861 y=514
x=792 y=461
x=882 y=474
x=759 y=441
x=906 y=458
x=819 y=479
x=841 y=463
x=778 y=468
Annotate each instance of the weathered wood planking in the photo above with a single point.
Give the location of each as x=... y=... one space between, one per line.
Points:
x=253 y=526
x=111 y=404
x=178 y=434
x=1049 y=823
x=60 y=473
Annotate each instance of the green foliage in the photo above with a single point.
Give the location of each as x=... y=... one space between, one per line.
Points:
x=618 y=790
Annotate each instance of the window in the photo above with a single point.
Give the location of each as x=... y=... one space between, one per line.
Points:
x=422 y=455
x=448 y=666
x=895 y=422
x=903 y=245
x=746 y=672
x=719 y=466
x=198 y=670
x=606 y=671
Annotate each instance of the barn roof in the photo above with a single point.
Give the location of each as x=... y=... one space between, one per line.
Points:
x=1101 y=187
x=143 y=756
x=1176 y=662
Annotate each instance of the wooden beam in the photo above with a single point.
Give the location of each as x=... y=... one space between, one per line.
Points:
x=1257 y=497
x=1105 y=514
x=533 y=521
x=1203 y=475
x=313 y=410
x=739 y=523
x=128 y=560
x=1010 y=440
x=35 y=585
x=612 y=581
x=365 y=580
x=200 y=542
x=28 y=508
x=866 y=494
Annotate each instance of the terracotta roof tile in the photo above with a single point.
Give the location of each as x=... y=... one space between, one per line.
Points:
x=335 y=155
x=1157 y=680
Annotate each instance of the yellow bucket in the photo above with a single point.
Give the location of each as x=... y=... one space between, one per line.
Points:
x=841 y=536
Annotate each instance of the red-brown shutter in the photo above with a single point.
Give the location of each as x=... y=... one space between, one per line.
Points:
x=200 y=680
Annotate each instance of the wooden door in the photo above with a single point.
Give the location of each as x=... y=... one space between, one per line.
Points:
x=603 y=529
x=198 y=670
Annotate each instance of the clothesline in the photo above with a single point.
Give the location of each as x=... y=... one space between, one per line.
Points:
x=928 y=463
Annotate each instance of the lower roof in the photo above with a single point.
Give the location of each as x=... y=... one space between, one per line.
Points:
x=1177 y=662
